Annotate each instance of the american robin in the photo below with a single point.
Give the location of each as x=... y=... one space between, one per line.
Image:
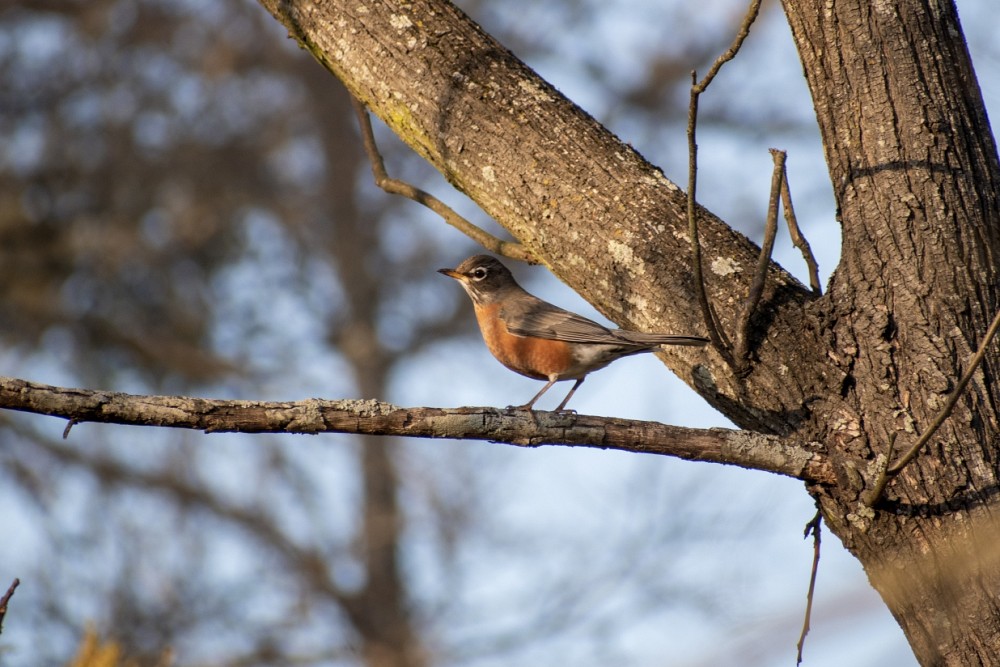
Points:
x=541 y=341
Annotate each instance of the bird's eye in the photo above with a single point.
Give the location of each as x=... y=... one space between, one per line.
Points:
x=479 y=274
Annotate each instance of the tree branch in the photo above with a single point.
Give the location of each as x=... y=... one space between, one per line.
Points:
x=5 y=599
x=394 y=186
x=741 y=352
x=798 y=238
x=585 y=204
x=814 y=527
x=718 y=337
x=526 y=429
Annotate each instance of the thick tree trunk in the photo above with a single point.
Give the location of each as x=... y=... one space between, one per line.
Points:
x=915 y=173
x=914 y=168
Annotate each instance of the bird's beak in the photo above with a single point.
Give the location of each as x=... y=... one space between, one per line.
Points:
x=452 y=273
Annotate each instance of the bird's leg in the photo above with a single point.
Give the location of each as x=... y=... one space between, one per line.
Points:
x=570 y=394
x=527 y=406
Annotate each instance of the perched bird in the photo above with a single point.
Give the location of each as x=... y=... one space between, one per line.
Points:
x=541 y=341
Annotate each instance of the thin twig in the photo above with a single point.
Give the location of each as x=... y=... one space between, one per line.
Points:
x=5 y=599
x=715 y=333
x=813 y=527
x=733 y=49
x=952 y=400
x=894 y=469
x=742 y=352
x=872 y=496
x=397 y=187
x=798 y=239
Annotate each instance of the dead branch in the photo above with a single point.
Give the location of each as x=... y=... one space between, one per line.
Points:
x=516 y=427
x=798 y=239
x=397 y=187
x=813 y=527
x=744 y=31
x=715 y=333
x=6 y=599
x=741 y=354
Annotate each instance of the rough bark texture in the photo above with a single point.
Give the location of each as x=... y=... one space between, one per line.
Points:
x=602 y=218
x=370 y=417
x=916 y=177
x=915 y=171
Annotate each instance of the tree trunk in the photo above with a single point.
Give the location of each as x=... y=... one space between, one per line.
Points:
x=915 y=173
x=914 y=169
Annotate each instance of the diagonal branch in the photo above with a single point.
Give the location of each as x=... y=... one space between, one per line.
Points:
x=593 y=210
x=526 y=429
x=395 y=186
x=741 y=353
x=798 y=238
x=6 y=598
x=814 y=527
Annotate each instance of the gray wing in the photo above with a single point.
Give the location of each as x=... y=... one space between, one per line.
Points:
x=534 y=317
x=543 y=320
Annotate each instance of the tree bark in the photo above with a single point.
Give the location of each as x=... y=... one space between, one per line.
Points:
x=915 y=174
x=602 y=218
x=369 y=417
x=914 y=170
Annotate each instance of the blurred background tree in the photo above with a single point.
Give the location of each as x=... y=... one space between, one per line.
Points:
x=185 y=208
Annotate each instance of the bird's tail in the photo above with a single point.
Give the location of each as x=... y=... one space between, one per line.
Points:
x=660 y=339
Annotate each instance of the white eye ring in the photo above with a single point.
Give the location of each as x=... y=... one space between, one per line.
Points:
x=478 y=274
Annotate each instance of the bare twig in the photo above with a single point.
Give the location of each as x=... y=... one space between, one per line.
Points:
x=522 y=428
x=873 y=495
x=814 y=526
x=397 y=187
x=742 y=351
x=6 y=599
x=733 y=49
x=897 y=467
x=715 y=333
x=952 y=400
x=798 y=239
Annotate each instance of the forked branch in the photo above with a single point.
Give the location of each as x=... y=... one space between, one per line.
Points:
x=741 y=354
x=779 y=195
x=715 y=333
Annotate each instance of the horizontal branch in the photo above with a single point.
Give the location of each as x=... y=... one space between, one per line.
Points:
x=370 y=417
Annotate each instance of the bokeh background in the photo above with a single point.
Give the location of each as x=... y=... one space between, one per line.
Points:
x=185 y=208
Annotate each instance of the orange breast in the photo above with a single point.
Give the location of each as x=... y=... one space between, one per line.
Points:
x=536 y=358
